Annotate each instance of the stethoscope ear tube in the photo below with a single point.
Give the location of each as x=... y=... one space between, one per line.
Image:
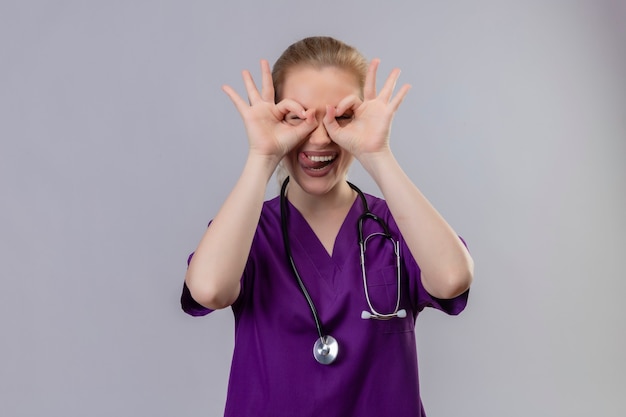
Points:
x=373 y=314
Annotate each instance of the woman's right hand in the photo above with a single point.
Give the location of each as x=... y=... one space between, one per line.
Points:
x=269 y=135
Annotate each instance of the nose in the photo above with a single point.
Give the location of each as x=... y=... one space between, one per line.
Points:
x=319 y=136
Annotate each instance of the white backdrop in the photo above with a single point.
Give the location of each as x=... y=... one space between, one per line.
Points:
x=117 y=146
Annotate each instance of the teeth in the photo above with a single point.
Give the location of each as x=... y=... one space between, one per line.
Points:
x=321 y=158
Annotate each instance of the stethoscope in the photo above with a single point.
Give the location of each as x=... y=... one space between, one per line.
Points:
x=326 y=347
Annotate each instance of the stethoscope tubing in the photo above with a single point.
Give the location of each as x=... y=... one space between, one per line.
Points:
x=367 y=214
x=305 y=292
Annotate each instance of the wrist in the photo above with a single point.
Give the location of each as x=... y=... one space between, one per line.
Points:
x=375 y=162
x=261 y=165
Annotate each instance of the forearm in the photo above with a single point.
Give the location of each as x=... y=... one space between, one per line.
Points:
x=447 y=267
x=214 y=273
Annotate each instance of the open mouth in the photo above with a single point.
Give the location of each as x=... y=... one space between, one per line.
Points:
x=317 y=161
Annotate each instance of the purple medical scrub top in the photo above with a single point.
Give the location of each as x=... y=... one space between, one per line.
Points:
x=273 y=371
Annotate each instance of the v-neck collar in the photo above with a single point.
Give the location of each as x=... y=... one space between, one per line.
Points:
x=311 y=252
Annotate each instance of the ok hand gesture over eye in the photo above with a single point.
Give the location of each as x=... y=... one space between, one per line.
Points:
x=268 y=135
x=368 y=132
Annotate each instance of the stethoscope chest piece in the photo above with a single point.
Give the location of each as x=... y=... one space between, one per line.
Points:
x=325 y=350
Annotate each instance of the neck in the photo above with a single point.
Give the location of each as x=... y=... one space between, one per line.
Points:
x=338 y=198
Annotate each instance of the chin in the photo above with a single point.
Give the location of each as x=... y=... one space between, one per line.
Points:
x=316 y=185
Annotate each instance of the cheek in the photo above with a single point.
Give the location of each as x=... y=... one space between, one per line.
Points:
x=288 y=161
x=347 y=160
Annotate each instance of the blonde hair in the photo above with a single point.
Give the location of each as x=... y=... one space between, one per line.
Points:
x=317 y=52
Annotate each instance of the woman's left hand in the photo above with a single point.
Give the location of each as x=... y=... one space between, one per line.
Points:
x=367 y=133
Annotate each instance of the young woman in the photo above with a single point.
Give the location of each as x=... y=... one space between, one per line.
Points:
x=325 y=282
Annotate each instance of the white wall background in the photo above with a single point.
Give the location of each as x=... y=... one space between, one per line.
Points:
x=117 y=146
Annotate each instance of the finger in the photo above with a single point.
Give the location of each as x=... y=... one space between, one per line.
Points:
x=330 y=121
x=291 y=106
x=267 y=86
x=306 y=121
x=252 y=90
x=239 y=103
x=310 y=123
x=390 y=84
x=397 y=100
x=369 y=90
x=351 y=102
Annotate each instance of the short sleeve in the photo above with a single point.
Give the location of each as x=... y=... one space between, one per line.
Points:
x=191 y=306
x=423 y=298
x=452 y=306
x=188 y=304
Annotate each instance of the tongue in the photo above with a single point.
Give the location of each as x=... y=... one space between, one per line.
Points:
x=317 y=165
x=307 y=163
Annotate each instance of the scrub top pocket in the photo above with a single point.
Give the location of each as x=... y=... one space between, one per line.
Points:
x=382 y=285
